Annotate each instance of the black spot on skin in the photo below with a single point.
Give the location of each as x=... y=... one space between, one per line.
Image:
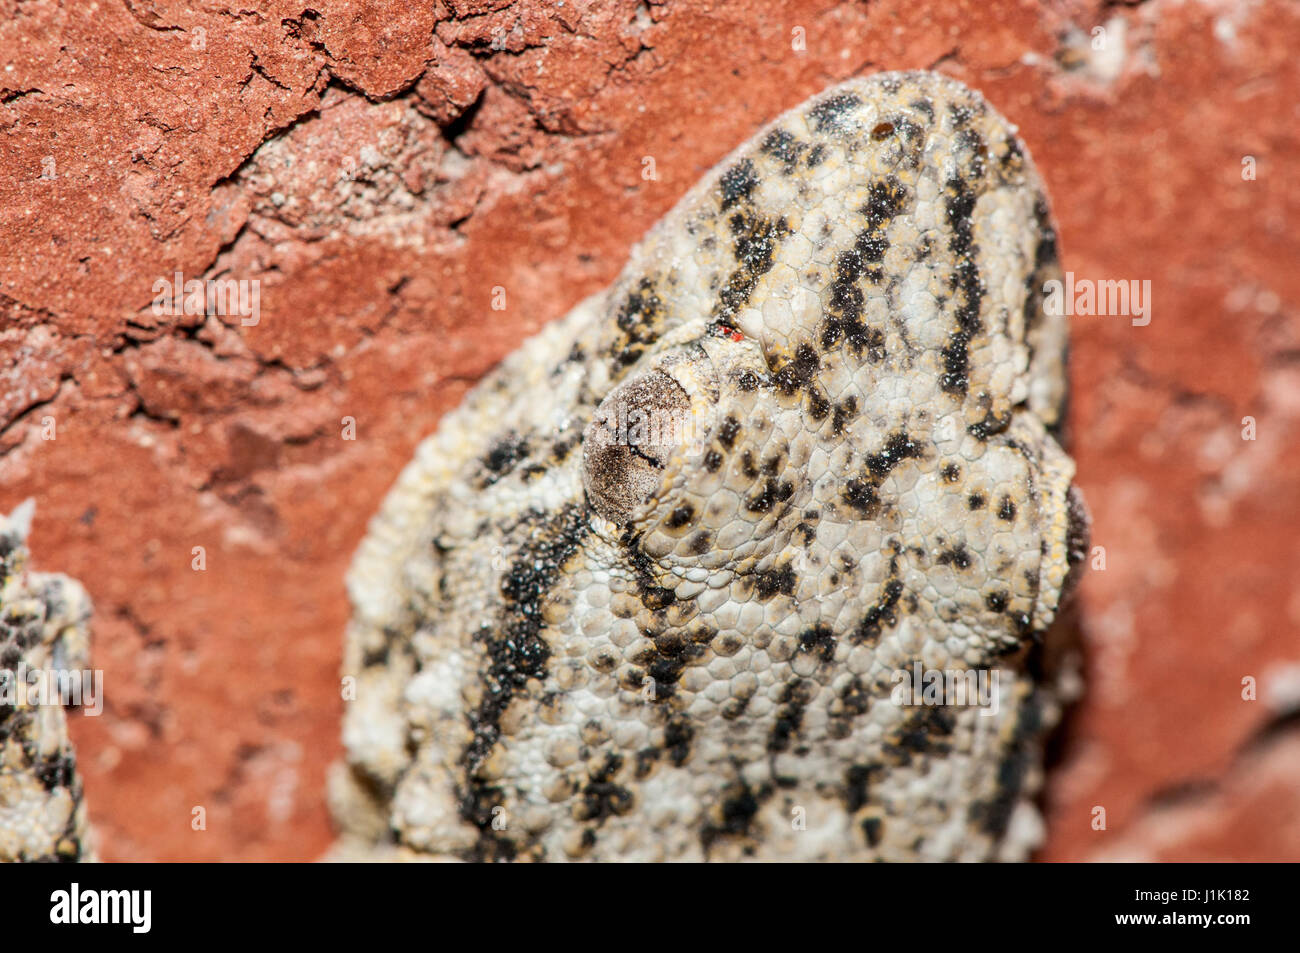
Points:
x=735 y=815
x=862 y=492
x=652 y=595
x=702 y=634
x=665 y=672
x=748 y=381
x=646 y=760
x=857 y=784
x=963 y=113
x=601 y=798
x=794 y=698
x=816 y=155
x=996 y=601
x=818 y=405
x=735 y=706
x=756 y=240
x=768 y=584
x=1012 y=157
x=1045 y=254
x=1024 y=625
x=973 y=143
x=975 y=501
x=957 y=557
x=712 y=461
x=925 y=107
x=805 y=534
x=785 y=148
x=830 y=112
x=678 y=735
x=638 y=318
x=680 y=517
x=1006 y=509
x=561 y=449
x=516 y=652
x=728 y=432
x=798 y=373
x=701 y=543
x=873 y=343
x=58 y=771
x=862 y=496
x=951 y=472
x=873 y=831
x=994 y=815
x=898 y=447
x=747 y=465
x=738 y=183
x=913 y=137
x=925 y=732
x=670 y=656
x=845 y=411
x=1077 y=536
x=503 y=455
x=856 y=697
x=819 y=640
x=967 y=286
x=990 y=425
x=773 y=492
x=886 y=198
x=10 y=658
x=883 y=613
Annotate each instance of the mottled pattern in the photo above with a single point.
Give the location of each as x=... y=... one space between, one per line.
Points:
x=569 y=642
x=42 y=628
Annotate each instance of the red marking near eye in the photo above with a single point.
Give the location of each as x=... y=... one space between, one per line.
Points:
x=727 y=331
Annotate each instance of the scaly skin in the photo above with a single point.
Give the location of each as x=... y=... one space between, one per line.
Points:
x=43 y=627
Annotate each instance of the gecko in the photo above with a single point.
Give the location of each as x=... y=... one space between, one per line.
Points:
x=651 y=592
x=754 y=555
x=44 y=627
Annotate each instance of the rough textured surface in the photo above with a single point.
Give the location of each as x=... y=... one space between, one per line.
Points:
x=646 y=594
x=377 y=290
x=43 y=629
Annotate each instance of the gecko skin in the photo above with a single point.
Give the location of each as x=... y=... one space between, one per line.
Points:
x=43 y=627
x=577 y=637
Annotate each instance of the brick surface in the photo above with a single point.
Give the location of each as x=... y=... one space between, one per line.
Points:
x=380 y=168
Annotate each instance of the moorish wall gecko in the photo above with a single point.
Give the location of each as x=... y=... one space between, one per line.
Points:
x=574 y=643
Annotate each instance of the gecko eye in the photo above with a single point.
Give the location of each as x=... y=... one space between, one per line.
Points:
x=631 y=442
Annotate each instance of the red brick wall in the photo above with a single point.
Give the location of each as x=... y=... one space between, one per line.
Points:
x=130 y=142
